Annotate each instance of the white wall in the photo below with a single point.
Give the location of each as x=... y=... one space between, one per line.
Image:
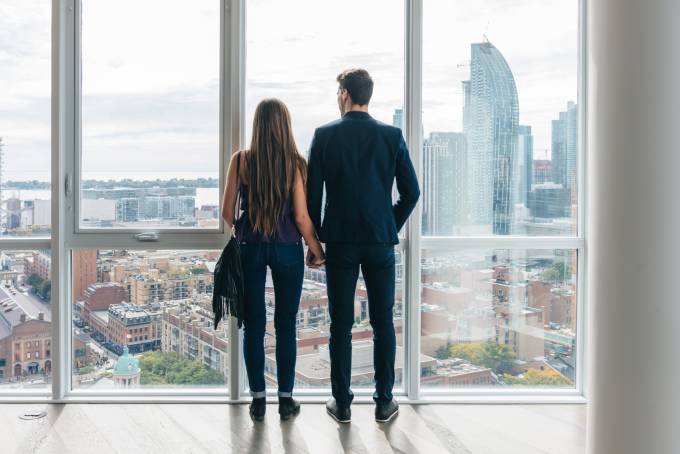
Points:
x=634 y=226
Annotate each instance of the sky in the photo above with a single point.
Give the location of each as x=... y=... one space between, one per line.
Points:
x=150 y=80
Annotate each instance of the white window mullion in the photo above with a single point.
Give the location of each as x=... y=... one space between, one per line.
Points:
x=413 y=132
x=234 y=127
x=581 y=174
x=63 y=73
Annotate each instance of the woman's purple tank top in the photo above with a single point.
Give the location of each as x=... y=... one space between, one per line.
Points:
x=286 y=231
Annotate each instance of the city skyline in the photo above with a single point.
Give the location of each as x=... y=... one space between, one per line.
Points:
x=481 y=180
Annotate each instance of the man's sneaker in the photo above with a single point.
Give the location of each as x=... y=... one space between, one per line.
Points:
x=257 y=408
x=288 y=407
x=339 y=413
x=385 y=412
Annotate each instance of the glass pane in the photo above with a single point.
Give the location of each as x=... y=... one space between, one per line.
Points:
x=298 y=63
x=150 y=114
x=499 y=117
x=312 y=368
x=25 y=320
x=143 y=319
x=296 y=57
x=499 y=318
x=25 y=117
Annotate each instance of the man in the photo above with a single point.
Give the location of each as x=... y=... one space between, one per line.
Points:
x=357 y=158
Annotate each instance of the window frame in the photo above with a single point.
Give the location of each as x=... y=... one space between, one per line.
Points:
x=17 y=243
x=124 y=236
x=67 y=236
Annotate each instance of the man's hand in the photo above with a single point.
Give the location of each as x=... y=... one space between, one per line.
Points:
x=313 y=261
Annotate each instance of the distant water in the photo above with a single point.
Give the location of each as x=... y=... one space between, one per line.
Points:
x=204 y=196
x=26 y=194
x=141 y=175
x=114 y=175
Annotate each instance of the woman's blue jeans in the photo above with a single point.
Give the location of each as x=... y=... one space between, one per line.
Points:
x=287 y=265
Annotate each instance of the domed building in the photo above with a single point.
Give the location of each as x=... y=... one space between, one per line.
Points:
x=126 y=372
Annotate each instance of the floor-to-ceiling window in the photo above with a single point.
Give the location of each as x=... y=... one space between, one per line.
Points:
x=499 y=155
x=295 y=55
x=148 y=100
x=25 y=207
x=147 y=161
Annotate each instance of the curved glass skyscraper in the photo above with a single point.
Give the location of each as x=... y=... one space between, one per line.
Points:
x=490 y=123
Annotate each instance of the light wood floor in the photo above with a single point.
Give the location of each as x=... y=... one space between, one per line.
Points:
x=212 y=428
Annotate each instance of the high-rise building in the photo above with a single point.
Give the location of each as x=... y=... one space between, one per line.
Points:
x=490 y=123
x=542 y=171
x=397 y=122
x=523 y=165
x=127 y=209
x=398 y=119
x=39 y=262
x=13 y=210
x=84 y=271
x=443 y=183
x=564 y=146
x=549 y=200
x=433 y=150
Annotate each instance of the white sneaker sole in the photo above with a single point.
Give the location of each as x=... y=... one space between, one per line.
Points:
x=343 y=421
x=388 y=419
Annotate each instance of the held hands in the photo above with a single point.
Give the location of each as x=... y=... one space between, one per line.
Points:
x=315 y=256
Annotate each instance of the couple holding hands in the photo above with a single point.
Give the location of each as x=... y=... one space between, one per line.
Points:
x=356 y=159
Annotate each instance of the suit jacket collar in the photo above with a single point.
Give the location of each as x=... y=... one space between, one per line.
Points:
x=356 y=114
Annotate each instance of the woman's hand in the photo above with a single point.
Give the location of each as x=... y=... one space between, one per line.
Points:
x=315 y=255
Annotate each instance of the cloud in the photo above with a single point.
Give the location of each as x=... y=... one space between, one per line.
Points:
x=152 y=103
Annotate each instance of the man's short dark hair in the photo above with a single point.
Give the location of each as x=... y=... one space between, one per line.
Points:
x=358 y=84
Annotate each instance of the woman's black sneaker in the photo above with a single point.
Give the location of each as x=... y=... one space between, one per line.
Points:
x=288 y=407
x=257 y=408
x=339 y=413
x=385 y=412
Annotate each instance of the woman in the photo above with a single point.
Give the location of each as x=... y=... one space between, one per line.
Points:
x=270 y=179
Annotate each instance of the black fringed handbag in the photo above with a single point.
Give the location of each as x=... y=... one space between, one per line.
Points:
x=228 y=297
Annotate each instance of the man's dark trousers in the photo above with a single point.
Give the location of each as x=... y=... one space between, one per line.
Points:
x=377 y=264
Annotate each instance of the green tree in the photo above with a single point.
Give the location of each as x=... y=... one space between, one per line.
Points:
x=34 y=280
x=45 y=290
x=442 y=352
x=169 y=368
x=556 y=273
x=499 y=358
x=538 y=377
x=86 y=370
x=470 y=352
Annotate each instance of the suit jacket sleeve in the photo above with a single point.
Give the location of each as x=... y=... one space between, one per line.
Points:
x=407 y=185
x=315 y=182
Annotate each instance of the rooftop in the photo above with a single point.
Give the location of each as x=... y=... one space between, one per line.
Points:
x=314 y=367
x=126 y=364
x=457 y=366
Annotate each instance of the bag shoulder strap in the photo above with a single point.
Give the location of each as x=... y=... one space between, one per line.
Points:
x=238 y=187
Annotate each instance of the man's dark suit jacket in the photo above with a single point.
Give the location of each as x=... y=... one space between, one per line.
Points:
x=358 y=159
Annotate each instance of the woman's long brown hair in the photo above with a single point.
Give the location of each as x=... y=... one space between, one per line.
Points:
x=273 y=160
